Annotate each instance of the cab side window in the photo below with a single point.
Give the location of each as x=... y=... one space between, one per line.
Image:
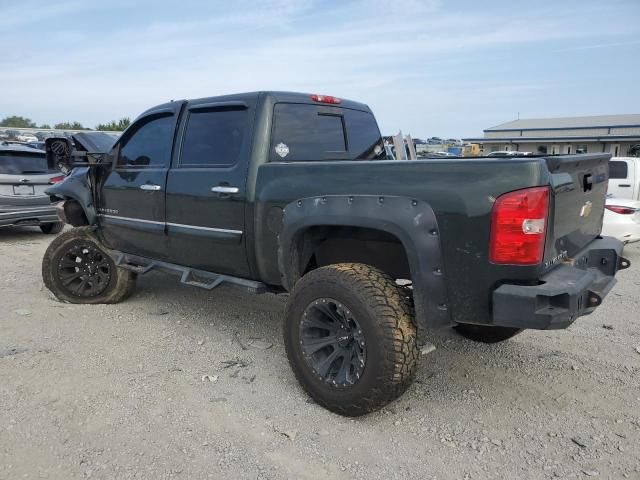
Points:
x=214 y=138
x=149 y=145
x=618 y=169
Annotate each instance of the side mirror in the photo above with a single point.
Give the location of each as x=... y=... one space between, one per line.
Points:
x=59 y=153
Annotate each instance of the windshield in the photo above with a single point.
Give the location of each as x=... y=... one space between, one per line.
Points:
x=20 y=164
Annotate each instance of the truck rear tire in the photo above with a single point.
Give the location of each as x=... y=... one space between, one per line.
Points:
x=77 y=269
x=350 y=338
x=486 y=334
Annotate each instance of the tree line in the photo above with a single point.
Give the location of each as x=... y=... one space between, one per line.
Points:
x=23 y=122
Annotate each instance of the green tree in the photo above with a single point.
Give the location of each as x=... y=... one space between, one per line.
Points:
x=45 y=126
x=17 y=122
x=69 y=126
x=114 y=126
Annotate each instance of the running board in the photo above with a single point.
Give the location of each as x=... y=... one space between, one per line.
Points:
x=188 y=275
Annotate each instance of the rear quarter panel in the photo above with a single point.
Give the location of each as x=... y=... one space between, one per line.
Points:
x=461 y=192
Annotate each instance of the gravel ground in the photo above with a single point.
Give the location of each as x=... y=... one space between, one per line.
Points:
x=178 y=382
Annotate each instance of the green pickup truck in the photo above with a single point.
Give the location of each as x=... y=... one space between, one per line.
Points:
x=293 y=193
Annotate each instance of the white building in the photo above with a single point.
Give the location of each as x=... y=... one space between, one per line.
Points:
x=616 y=134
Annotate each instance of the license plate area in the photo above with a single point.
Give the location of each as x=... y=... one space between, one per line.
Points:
x=23 y=190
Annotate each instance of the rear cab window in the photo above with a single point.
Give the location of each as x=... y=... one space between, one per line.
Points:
x=23 y=163
x=308 y=132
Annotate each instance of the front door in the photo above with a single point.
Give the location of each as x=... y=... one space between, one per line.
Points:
x=206 y=188
x=131 y=207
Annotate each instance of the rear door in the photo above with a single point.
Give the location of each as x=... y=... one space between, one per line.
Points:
x=132 y=195
x=206 y=187
x=622 y=178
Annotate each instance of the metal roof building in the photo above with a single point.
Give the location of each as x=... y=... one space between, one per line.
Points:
x=601 y=133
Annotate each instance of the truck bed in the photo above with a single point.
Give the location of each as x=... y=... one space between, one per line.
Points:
x=461 y=193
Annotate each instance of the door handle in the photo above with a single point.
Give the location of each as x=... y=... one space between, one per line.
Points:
x=223 y=189
x=624 y=185
x=148 y=186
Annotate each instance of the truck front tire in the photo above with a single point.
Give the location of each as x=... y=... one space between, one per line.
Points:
x=77 y=269
x=350 y=338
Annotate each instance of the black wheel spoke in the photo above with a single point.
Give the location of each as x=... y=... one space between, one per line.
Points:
x=314 y=345
x=343 y=373
x=328 y=311
x=332 y=343
x=313 y=322
x=70 y=277
x=78 y=290
x=68 y=263
x=324 y=366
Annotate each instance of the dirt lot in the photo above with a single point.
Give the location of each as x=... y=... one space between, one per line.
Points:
x=121 y=392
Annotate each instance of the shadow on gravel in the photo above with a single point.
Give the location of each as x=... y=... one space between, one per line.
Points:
x=456 y=367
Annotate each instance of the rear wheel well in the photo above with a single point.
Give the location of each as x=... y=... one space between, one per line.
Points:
x=327 y=245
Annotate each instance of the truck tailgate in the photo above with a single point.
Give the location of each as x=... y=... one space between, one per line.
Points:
x=579 y=188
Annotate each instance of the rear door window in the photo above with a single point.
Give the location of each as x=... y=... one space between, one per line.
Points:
x=618 y=169
x=303 y=133
x=214 y=138
x=14 y=163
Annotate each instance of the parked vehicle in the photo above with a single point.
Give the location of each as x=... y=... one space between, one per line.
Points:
x=36 y=145
x=624 y=178
x=24 y=176
x=622 y=219
x=26 y=137
x=288 y=192
x=509 y=153
x=440 y=154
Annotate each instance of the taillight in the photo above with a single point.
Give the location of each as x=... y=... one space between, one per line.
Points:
x=57 y=179
x=325 y=99
x=518 y=227
x=621 y=210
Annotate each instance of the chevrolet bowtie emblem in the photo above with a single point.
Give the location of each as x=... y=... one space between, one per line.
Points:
x=586 y=209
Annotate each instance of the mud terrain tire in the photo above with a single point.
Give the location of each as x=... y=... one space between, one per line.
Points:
x=368 y=308
x=77 y=269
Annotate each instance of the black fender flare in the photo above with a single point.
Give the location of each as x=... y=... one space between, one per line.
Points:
x=412 y=221
x=77 y=186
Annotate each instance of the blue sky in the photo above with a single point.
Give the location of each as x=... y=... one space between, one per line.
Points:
x=428 y=67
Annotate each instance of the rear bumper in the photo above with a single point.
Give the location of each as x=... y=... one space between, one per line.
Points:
x=28 y=215
x=567 y=292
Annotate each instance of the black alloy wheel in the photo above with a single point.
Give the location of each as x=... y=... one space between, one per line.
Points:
x=78 y=269
x=84 y=271
x=332 y=342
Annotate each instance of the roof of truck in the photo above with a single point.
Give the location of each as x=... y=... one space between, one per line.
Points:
x=276 y=96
